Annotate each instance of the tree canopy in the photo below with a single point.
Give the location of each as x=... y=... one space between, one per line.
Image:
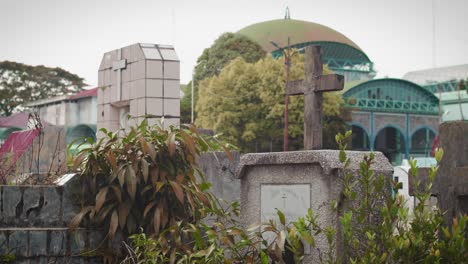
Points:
x=245 y=102
x=225 y=48
x=21 y=83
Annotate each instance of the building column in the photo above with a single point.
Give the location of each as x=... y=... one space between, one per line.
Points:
x=371 y=130
x=407 y=137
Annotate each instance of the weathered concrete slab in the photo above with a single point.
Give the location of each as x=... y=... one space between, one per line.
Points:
x=220 y=171
x=319 y=170
x=451 y=183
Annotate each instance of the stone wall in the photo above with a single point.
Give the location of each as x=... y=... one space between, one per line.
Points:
x=362 y=119
x=219 y=170
x=34 y=226
x=34 y=219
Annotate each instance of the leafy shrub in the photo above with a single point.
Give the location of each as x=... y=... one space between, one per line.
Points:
x=397 y=236
x=144 y=185
x=145 y=179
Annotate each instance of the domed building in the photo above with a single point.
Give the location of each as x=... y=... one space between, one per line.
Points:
x=341 y=54
x=397 y=117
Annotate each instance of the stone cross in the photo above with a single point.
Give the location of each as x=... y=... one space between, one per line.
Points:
x=118 y=66
x=312 y=88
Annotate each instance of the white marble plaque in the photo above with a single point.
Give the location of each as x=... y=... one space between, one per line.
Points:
x=291 y=199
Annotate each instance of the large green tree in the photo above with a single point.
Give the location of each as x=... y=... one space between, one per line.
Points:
x=245 y=102
x=21 y=83
x=225 y=48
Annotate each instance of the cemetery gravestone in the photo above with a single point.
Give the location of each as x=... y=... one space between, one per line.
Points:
x=296 y=181
x=451 y=183
x=140 y=81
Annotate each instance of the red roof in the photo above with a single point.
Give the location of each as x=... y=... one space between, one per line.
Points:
x=85 y=93
x=15 y=145
x=15 y=120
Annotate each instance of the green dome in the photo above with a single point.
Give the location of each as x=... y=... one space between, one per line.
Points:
x=299 y=32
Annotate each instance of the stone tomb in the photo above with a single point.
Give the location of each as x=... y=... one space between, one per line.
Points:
x=140 y=80
x=296 y=181
x=450 y=186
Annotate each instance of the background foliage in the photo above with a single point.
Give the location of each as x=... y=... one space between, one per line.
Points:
x=21 y=83
x=225 y=48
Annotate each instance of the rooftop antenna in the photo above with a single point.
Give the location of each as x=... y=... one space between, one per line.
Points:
x=434 y=64
x=287 y=53
x=287 y=15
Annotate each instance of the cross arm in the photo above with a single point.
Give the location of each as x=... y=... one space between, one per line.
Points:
x=330 y=83
x=120 y=64
x=295 y=87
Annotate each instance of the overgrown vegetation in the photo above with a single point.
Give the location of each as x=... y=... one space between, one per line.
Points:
x=36 y=163
x=146 y=179
x=146 y=186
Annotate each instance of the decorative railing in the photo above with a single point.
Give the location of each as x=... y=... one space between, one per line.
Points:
x=380 y=105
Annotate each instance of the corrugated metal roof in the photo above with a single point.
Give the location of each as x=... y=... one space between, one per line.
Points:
x=16 y=144
x=437 y=75
x=57 y=99
x=15 y=120
x=84 y=94
x=47 y=101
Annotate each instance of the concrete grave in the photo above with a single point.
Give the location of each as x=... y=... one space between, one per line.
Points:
x=451 y=183
x=140 y=80
x=296 y=181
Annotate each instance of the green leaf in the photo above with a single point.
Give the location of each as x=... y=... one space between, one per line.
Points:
x=79 y=217
x=131 y=182
x=114 y=222
x=439 y=153
x=178 y=191
x=342 y=156
x=144 y=169
x=263 y=257
x=281 y=217
x=124 y=210
x=101 y=198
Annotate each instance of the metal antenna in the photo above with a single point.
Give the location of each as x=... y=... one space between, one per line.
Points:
x=433 y=34
x=287 y=14
x=287 y=63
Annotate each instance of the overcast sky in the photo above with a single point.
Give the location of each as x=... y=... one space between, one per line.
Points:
x=395 y=34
